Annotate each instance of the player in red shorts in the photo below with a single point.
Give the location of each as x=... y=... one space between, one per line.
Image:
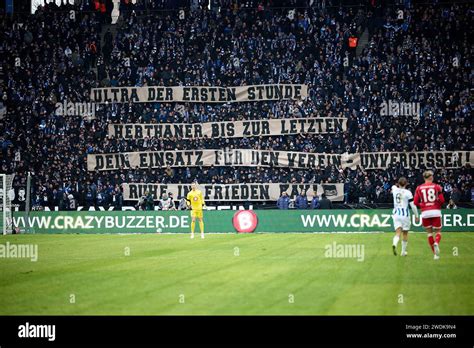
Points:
x=429 y=197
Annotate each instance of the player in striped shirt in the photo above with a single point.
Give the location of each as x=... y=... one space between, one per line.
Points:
x=401 y=215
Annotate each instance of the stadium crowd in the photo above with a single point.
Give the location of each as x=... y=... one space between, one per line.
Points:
x=423 y=57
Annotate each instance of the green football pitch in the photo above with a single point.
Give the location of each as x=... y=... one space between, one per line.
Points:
x=231 y=274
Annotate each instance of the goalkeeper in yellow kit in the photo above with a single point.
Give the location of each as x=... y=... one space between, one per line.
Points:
x=195 y=200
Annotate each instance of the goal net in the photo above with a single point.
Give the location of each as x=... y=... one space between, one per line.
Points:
x=6 y=220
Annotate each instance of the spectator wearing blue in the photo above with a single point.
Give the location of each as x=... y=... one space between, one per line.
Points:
x=302 y=201
x=284 y=201
x=315 y=201
x=90 y=197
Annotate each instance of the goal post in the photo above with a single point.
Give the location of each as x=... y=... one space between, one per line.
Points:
x=28 y=228
x=6 y=220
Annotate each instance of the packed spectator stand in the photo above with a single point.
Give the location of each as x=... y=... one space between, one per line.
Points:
x=47 y=58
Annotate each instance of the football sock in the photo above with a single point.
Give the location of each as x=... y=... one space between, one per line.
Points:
x=431 y=241
x=201 y=226
x=404 y=246
x=396 y=238
x=438 y=237
x=193 y=225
